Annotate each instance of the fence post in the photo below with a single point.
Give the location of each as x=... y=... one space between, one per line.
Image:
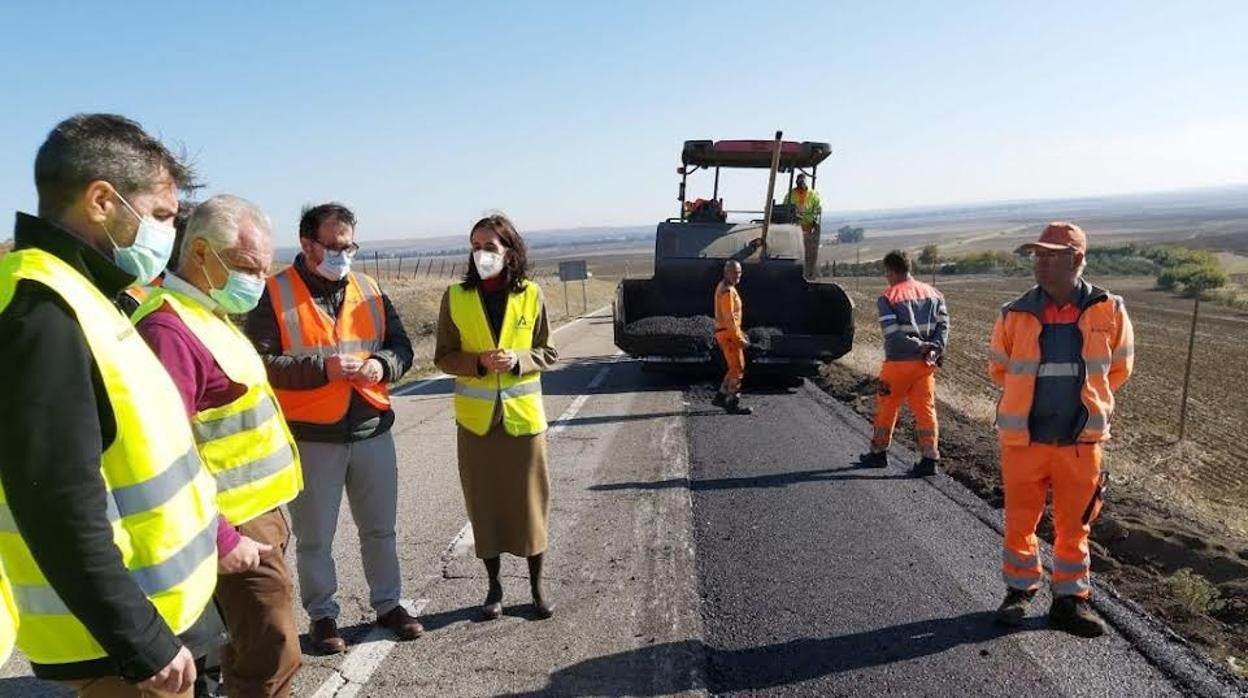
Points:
x=1187 y=372
x=398 y=272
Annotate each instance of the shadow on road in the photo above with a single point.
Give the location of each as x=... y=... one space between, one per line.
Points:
x=757 y=481
x=767 y=666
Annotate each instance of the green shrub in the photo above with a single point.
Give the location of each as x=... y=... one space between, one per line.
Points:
x=1195 y=594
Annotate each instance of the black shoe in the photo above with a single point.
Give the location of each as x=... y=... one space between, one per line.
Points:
x=874 y=459
x=1014 y=608
x=719 y=399
x=926 y=467
x=492 y=607
x=733 y=406
x=1075 y=616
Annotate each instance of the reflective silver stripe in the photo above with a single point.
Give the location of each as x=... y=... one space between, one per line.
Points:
x=1060 y=565
x=149 y=494
x=1076 y=587
x=1009 y=421
x=1017 y=582
x=884 y=318
x=173 y=571
x=38 y=599
x=891 y=329
x=475 y=393
x=1023 y=367
x=522 y=389
x=1096 y=422
x=1098 y=366
x=998 y=358
x=355 y=346
x=255 y=470
x=372 y=299
x=229 y=425
x=1124 y=352
x=7 y=524
x=290 y=314
x=1031 y=562
x=1066 y=370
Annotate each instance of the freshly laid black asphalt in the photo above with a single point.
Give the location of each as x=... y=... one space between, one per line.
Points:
x=821 y=578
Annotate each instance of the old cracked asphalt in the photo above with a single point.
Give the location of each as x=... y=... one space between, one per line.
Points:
x=694 y=553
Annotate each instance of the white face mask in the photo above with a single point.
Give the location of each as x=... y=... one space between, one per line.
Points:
x=489 y=264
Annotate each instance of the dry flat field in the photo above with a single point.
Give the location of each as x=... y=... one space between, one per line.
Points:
x=1171 y=505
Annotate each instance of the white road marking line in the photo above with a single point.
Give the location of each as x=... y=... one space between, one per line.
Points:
x=461 y=542
x=415 y=387
x=363 y=660
x=562 y=422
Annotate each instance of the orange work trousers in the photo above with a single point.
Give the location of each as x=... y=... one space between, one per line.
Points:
x=912 y=382
x=734 y=356
x=1073 y=474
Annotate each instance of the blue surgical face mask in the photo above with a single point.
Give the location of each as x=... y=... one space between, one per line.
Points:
x=147 y=256
x=335 y=265
x=241 y=292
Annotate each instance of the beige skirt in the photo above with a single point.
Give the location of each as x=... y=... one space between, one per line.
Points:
x=506 y=491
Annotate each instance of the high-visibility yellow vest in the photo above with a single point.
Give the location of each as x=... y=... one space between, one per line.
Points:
x=246 y=444
x=521 y=396
x=8 y=618
x=160 y=498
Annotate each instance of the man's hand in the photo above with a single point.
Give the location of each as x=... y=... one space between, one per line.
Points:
x=177 y=677
x=342 y=367
x=371 y=372
x=931 y=352
x=245 y=557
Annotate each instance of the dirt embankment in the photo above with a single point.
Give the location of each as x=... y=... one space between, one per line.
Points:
x=1163 y=514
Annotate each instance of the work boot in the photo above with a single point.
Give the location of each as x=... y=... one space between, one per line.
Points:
x=720 y=399
x=1014 y=608
x=325 y=637
x=732 y=405
x=398 y=621
x=926 y=467
x=874 y=459
x=1075 y=616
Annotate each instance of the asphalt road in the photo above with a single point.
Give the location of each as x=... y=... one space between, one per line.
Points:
x=693 y=553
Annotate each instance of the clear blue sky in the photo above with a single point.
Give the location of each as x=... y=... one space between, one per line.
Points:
x=572 y=114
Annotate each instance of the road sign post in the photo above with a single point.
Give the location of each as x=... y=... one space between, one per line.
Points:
x=576 y=270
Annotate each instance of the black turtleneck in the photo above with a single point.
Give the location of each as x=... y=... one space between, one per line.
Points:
x=55 y=422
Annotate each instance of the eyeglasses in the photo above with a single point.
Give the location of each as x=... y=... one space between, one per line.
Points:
x=349 y=250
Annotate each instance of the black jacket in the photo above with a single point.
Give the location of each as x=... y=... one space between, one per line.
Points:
x=55 y=422
x=288 y=372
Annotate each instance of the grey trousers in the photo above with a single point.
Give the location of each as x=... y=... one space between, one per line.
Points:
x=369 y=473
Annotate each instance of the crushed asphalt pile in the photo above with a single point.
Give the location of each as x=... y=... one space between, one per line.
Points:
x=697 y=327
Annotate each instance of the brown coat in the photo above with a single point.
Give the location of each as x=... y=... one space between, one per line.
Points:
x=504 y=478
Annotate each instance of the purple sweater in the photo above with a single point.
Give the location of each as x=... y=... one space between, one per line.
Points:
x=200 y=380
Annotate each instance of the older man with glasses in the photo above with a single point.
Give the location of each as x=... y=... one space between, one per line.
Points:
x=332 y=341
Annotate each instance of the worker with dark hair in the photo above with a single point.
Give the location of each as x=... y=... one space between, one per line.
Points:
x=915 y=324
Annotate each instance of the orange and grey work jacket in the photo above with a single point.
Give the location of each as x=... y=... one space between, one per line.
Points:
x=912 y=313
x=728 y=314
x=1099 y=363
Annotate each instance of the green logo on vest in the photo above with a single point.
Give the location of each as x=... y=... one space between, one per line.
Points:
x=523 y=322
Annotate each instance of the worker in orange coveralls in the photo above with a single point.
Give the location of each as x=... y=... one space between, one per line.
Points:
x=731 y=339
x=915 y=324
x=1059 y=352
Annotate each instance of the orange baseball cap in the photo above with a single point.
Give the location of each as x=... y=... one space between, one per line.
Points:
x=1060 y=235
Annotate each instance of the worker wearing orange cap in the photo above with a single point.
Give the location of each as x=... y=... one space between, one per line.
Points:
x=732 y=341
x=1059 y=352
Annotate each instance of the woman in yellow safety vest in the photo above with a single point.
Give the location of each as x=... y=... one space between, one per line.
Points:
x=493 y=336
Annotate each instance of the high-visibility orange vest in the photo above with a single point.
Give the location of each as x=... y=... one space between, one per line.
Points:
x=141 y=293
x=307 y=330
x=1107 y=360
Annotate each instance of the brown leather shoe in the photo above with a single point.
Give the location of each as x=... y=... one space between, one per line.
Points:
x=401 y=623
x=325 y=637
